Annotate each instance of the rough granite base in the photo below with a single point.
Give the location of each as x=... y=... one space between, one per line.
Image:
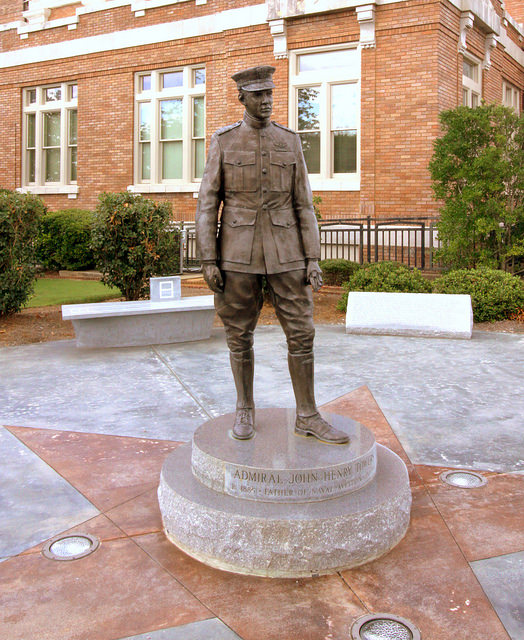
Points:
x=284 y=540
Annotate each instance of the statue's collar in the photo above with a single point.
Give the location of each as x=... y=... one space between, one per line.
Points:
x=254 y=123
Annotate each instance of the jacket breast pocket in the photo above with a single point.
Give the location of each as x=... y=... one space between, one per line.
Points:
x=236 y=234
x=286 y=234
x=240 y=171
x=282 y=167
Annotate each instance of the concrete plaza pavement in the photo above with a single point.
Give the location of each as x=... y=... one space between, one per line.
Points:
x=85 y=432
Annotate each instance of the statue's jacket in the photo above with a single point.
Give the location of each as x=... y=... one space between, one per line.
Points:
x=267 y=222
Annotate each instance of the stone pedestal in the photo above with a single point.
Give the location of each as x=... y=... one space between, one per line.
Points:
x=281 y=505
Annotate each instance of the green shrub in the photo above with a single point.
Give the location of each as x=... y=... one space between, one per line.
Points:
x=385 y=276
x=19 y=217
x=132 y=241
x=64 y=240
x=495 y=295
x=337 y=271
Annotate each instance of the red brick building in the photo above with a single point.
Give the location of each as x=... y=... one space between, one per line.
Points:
x=108 y=95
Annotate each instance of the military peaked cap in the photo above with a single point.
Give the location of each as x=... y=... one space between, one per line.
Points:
x=255 y=78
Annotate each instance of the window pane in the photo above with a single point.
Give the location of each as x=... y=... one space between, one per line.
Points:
x=31 y=96
x=30 y=130
x=73 y=92
x=344 y=107
x=311 y=149
x=144 y=117
x=198 y=118
x=53 y=94
x=171 y=160
x=72 y=127
x=72 y=164
x=51 y=129
x=199 y=158
x=308 y=108
x=199 y=76
x=145 y=83
x=474 y=100
x=344 y=152
x=31 y=166
x=346 y=59
x=145 y=161
x=52 y=165
x=173 y=79
x=470 y=70
x=171 y=119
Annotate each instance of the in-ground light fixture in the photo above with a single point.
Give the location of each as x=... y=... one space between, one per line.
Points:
x=384 y=626
x=71 y=547
x=463 y=479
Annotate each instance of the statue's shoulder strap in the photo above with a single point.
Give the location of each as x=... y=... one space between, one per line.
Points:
x=281 y=126
x=227 y=128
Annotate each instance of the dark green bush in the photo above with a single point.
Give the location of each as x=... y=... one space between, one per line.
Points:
x=495 y=295
x=132 y=241
x=385 y=276
x=336 y=271
x=19 y=217
x=64 y=240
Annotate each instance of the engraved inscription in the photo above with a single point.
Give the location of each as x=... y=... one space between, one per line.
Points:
x=291 y=485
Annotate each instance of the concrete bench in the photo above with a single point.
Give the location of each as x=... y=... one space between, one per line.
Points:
x=431 y=315
x=126 y=324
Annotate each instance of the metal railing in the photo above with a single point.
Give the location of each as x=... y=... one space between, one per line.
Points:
x=407 y=240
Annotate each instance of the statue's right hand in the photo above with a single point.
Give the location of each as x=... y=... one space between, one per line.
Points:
x=213 y=277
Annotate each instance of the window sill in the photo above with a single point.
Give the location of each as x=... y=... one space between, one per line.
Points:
x=65 y=189
x=186 y=187
x=333 y=184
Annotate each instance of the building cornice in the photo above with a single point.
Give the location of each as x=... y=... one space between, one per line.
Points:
x=141 y=36
x=274 y=12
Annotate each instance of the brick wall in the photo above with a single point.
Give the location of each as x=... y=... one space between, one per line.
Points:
x=414 y=72
x=10 y=10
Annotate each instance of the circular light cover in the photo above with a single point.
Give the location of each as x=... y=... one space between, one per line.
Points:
x=71 y=547
x=463 y=479
x=384 y=626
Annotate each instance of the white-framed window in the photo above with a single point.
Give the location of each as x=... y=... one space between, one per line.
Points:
x=510 y=96
x=471 y=83
x=169 y=128
x=325 y=111
x=49 y=162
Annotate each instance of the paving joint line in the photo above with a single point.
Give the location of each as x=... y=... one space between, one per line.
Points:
x=179 y=380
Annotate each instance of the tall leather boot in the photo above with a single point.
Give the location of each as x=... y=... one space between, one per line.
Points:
x=309 y=421
x=243 y=368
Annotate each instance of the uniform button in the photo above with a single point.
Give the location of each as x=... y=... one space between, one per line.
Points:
x=264 y=189
x=239 y=161
x=264 y=170
x=264 y=206
x=264 y=153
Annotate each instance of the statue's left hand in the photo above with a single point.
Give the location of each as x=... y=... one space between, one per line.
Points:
x=314 y=275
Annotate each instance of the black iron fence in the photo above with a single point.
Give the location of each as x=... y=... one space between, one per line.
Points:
x=407 y=240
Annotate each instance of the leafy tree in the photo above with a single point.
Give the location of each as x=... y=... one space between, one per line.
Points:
x=132 y=241
x=478 y=172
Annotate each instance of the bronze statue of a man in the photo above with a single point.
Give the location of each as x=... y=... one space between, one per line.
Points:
x=256 y=170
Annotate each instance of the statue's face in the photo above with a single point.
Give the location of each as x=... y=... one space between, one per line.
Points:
x=259 y=104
